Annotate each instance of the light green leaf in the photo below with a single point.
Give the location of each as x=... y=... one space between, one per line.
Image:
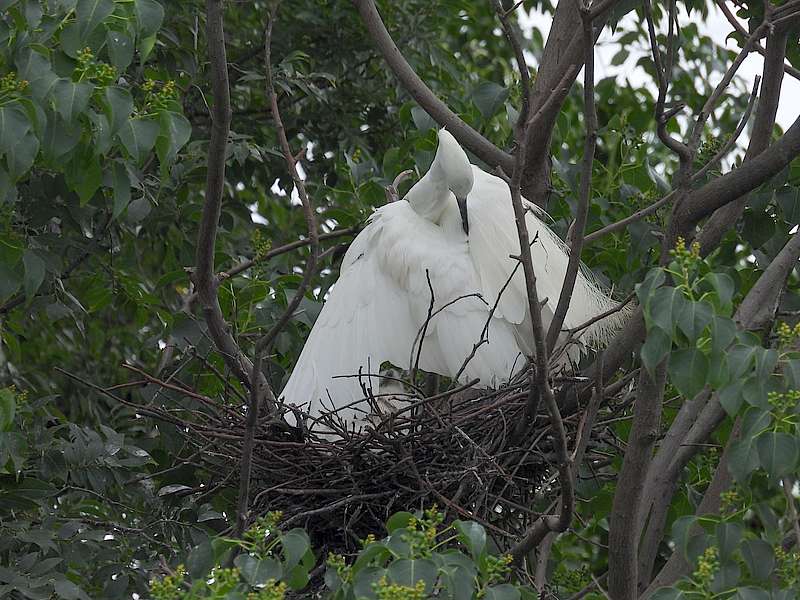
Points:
x=688 y=368
x=34 y=272
x=71 y=98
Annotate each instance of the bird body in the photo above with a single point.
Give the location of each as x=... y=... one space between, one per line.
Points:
x=427 y=278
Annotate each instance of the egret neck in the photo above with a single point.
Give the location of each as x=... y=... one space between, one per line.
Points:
x=450 y=176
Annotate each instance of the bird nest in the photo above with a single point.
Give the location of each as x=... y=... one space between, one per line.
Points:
x=474 y=454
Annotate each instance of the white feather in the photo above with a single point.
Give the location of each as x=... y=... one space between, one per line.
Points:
x=377 y=309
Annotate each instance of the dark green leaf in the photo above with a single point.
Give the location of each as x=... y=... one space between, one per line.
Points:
x=489 y=97
x=90 y=13
x=656 y=348
x=14 y=124
x=777 y=452
x=503 y=591
x=122 y=189
x=71 y=98
x=728 y=537
x=256 y=571
x=119 y=107
x=200 y=560
x=758 y=557
x=8 y=405
x=295 y=544
x=149 y=15
x=665 y=307
x=120 y=49
x=34 y=272
x=138 y=136
x=174 y=133
x=694 y=318
x=688 y=368
x=21 y=158
x=399 y=520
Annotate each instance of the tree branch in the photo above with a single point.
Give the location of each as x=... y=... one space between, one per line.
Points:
x=438 y=110
x=623 y=536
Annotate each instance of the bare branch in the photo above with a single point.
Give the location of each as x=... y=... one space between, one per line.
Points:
x=438 y=110
x=585 y=194
x=205 y=278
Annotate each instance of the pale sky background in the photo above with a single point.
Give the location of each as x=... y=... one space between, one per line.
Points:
x=716 y=27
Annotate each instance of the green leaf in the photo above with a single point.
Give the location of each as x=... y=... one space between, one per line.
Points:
x=175 y=132
x=728 y=537
x=751 y=593
x=473 y=536
x=34 y=272
x=85 y=175
x=365 y=580
x=64 y=588
x=777 y=452
x=146 y=47
x=200 y=560
x=122 y=189
x=33 y=13
x=399 y=520
x=656 y=348
x=722 y=331
x=8 y=407
x=14 y=124
x=258 y=572
x=35 y=68
x=90 y=13
x=694 y=318
x=759 y=557
x=688 y=368
x=295 y=544
x=668 y=593
x=503 y=591
x=723 y=286
x=120 y=49
x=297 y=578
x=653 y=280
x=740 y=359
x=681 y=529
x=119 y=106
x=489 y=97
x=138 y=136
x=71 y=98
x=21 y=159
x=665 y=307
x=59 y=137
x=730 y=397
x=408 y=572
x=422 y=120
x=149 y=15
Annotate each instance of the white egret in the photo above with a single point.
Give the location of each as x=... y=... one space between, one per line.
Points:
x=454 y=232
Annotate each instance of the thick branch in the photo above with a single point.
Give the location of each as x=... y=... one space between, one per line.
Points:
x=763 y=124
x=438 y=110
x=623 y=535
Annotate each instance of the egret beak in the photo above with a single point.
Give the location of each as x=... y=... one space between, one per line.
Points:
x=462 y=208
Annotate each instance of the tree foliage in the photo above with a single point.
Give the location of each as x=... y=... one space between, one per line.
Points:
x=105 y=122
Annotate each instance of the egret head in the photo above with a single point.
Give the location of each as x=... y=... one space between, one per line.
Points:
x=457 y=170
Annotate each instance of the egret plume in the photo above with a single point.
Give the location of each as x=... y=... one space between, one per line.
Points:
x=449 y=241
